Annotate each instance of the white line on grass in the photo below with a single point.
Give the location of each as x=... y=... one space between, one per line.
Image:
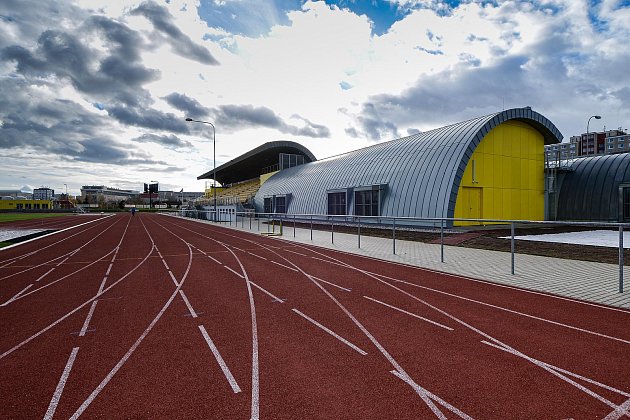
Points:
x=334 y=334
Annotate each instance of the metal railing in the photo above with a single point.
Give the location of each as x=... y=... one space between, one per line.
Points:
x=385 y=223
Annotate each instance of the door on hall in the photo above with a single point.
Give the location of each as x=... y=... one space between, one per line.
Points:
x=472 y=203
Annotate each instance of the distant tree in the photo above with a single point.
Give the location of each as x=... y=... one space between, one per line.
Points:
x=121 y=204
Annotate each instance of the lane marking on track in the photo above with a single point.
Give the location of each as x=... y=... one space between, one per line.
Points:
x=275 y=298
x=62 y=383
x=409 y=313
x=240 y=275
x=551 y=369
x=433 y=397
x=108 y=269
x=619 y=412
x=15 y=297
x=558 y=369
x=215 y=260
x=188 y=305
x=422 y=393
x=560 y=324
x=220 y=361
x=88 y=318
x=334 y=334
x=165 y=265
x=332 y=284
x=329 y=262
x=285 y=266
x=257 y=256
x=45 y=274
x=173 y=277
x=297 y=253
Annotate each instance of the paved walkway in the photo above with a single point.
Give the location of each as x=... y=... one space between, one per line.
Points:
x=595 y=282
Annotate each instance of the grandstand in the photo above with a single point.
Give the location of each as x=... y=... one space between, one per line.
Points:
x=241 y=178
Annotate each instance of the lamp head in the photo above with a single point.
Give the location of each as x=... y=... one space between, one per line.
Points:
x=597 y=117
x=190 y=119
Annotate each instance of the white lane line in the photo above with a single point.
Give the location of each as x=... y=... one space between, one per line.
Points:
x=66 y=259
x=44 y=275
x=165 y=265
x=15 y=297
x=188 y=305
x=277 y=299
x=215 y=260
x=220 y=361
x=550 y=369
x=240 y=275
x=622 y=410
x=409 y=313
x=173 y=277
x=285 y=266
x=109 y=269
x=510 y=311
x=294 y=252
x=332 y=284
x=62 y=383
x=566 y=372
x=86 y=323
x=100 y=289
x=258 y=256
x=334 y=334
x=329 y=262
x=433 y=397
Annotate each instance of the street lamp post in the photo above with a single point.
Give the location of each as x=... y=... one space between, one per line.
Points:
x=597 y=117
x=214 y=164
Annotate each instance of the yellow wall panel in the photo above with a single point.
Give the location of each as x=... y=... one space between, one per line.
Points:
x=509 y=170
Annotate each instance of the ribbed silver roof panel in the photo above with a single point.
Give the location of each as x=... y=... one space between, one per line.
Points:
x=422 y=172
x=590 y=191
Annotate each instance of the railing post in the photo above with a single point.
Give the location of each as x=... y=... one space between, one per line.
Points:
x=250 y=221
x=281 y=217
x=359 y=231
x=620 y=258
x=311 y=227
x=512 y=229
x=332 y=230
x=442 y=240
x=394 y=236
x=294 y=225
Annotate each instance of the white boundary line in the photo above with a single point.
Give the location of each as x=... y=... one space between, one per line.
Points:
x=277 y=299
x=220 y=361
x=53 y=233
x=233 y=271
x=409 y=313
x=88 y=318
x=332 y=284
x=285 y=266
x=560 y=324
x=190 y=308
x=329 y=331
x=62 y=383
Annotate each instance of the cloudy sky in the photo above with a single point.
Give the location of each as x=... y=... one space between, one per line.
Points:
x=96 y=91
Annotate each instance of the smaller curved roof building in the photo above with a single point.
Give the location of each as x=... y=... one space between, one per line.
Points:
x=596 y=188
x=489 y=167
x=249 y=165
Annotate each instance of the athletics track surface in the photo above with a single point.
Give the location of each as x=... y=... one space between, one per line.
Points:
x=154 y=316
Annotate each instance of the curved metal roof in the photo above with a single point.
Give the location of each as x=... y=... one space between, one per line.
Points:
x=248 y=165
x=422 y=172
x=590 y=191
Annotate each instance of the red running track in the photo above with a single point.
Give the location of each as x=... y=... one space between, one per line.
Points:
x=152 y=316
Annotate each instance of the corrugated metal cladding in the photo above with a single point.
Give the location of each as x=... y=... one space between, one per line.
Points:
x=420 y=174
x=591 y=190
